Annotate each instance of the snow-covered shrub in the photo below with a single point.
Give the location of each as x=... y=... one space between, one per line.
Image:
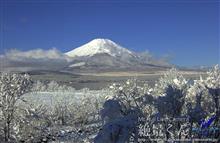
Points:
x=170 y=97
x=196 y=88
x=120 y=113
x=62 y=112
x=50 y=86
x=198 y=99
x=170 y=78
x=120 y=126
x=32 y=124
x=213 y=77
x=111 y=110
x=133 y=93
x=213 y=87
x=172 y=103
x=39 y=86
x=12 y=88
x=208 y=89
x=203 y=99
x=87 y=109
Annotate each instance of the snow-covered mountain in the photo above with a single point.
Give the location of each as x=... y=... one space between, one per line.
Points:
x=100 y=46
x=96 y=55
x=106 y=54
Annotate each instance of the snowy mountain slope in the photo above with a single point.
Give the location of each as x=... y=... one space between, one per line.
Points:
x=106 y=54
x=99 y=46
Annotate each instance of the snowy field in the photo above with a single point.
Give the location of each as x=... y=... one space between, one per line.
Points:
x=82 y=106
x=74 y=97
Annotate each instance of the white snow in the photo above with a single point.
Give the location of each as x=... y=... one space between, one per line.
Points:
x=98 y=46
x=77 y=64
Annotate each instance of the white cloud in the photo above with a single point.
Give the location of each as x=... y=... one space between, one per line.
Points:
x=37 y=59
x=35 y=54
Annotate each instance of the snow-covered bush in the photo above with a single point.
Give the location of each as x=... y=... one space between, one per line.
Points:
x=61 y=113
x=204 y=96
x=50 y=86
x=213 y=85
x=133 y=93
x=213 y=77
x=32 y=124
x=12 y=88
x=39 y=86
x=120 y=112
x=170 y=78
x=208 y=90
x=171 y=104
x=87 y=110
x=76 y=111
x=120 y=126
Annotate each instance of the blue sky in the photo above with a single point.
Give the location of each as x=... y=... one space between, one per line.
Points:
x=187 y=30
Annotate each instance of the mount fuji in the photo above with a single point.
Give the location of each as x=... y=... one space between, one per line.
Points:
x=96 y=55
x=99 y=46
x=104 y=54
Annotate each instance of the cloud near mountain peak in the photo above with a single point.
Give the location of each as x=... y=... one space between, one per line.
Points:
x=51 y=59
x=34 y=54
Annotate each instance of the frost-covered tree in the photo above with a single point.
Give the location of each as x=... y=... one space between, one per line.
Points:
x=39 y=86
x=203 y=99
x=133 y=93
x=170 y=78
x=111 y=110
x=197 y=101
x=12 y=87
x=120 y=113
x=170 y=94
x=208 y=90
x=120 y=126
x=31 y=124
x=62 y=112
x=213 y=77
x=172 y=103
x=53 y=86
x=86 y=111
x=213 y=86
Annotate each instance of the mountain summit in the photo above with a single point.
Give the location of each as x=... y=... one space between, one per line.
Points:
x=99 y=46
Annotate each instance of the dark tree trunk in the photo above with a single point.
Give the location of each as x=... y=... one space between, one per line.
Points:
x=5 y=132
x=8 y=129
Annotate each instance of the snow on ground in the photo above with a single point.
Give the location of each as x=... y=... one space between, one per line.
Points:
x=50 y=98
x=71 y=133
